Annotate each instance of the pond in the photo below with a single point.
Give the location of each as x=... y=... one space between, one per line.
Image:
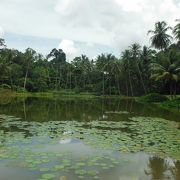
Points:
x=71 y=139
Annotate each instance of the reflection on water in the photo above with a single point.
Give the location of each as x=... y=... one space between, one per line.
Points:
x=42 y=109
x=156 y=168
x=111 y=165
x=162 y=168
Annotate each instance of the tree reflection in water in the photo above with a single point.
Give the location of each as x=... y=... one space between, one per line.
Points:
x=161 y=169
x=156 y=168
x=175 y=170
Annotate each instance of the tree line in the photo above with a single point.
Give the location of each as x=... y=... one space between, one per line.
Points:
x=138 y=71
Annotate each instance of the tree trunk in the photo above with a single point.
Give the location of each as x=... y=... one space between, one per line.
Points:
x=127 y=94
x=132 y=93
x=49 y=79
x=11 y=81
x=119 y=92
x=171 y=91
x=142 y=82
x=103 y=83
x=175 y=88
x=110 y=86
x=25 y=79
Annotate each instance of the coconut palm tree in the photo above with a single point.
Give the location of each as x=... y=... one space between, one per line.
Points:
x=29 y=58
x=135 y=53
x=147 y=55
x=176 y=31
x=167 y=68
x=126 y=56
x=160 y=39
x=2 y=43
x=105 y=64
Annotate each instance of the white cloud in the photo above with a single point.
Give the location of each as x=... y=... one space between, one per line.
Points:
x=1 y=32
x=62 y=7
x=69 y=48
x=114 y=23
x=89 y=44
x=131 y=5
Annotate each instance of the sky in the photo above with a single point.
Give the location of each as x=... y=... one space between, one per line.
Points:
x=80 y=27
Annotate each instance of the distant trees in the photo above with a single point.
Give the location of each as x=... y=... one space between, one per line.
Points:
x=139 y=70
x=57 y=64
x=82 y=71
x=167 y=68
x=28 y=60
x=2 y=43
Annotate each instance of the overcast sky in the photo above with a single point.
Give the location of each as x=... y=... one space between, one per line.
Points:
x=82 y=26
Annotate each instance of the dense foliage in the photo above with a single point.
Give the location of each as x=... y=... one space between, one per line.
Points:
x=139 y=70
x=153 y=97
x=174 y=104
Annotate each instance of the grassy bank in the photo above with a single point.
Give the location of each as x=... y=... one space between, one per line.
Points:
x=172 y=104
x=54 y=94
x=66 y=94
x=6 y=93
x=163 y=101
x=154 y=98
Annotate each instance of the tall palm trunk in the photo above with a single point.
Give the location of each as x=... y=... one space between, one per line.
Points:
x=141 y=79
x=127 y=94
x=103 y=83
x=26 y=75
x=129 y=74
x=174 y=90
x=171 y=90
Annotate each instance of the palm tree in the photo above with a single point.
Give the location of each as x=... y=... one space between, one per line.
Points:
x=2 y=43
x=83 y=68
x=147 y=55
x=135 y=53
x=126 y=57
x=176 y=31
x=167 y=68
x=29 y=57
x=160 y=39
x=105 y=64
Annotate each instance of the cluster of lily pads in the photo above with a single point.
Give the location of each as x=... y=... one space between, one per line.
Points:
x=27 y=143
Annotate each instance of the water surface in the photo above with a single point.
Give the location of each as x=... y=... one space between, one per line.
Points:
x=107 y=139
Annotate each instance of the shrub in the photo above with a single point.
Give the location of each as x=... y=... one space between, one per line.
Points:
x=5 y=86
x=18 y=89
x=175 y=103
x=153 y=97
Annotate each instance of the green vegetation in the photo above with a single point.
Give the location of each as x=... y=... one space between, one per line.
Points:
x=60 y=136
x=139 y=70
x=159 y=136
x=152 y=98
x=162 y=101
x=54 y=94
x=173 y=104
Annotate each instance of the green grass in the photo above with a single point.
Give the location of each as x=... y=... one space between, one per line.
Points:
x=172 y=104
x=65 y=94
x=152 y=98
x=55 y=94
x=161 y=101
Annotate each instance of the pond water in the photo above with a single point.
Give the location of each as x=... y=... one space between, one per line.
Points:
x=71 y=139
